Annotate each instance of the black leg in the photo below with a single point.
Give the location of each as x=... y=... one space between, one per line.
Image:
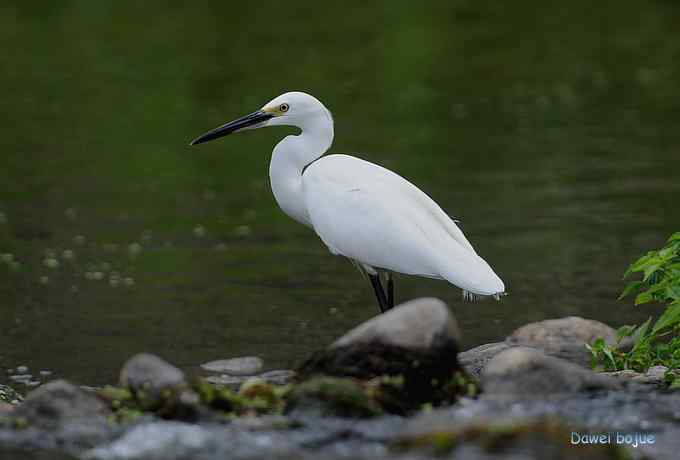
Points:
x=390 y=291
x=379 y=293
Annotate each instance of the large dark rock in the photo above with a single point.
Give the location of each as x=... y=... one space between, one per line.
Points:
x=416 y=341
x=526 y=372
x=60 y=401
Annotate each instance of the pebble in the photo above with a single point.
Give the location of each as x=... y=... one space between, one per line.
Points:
x=134 y=248
x=20 y=377
x=22 y=369
x=45 y=373
x=199 y=231
x=247 y=365
x=51 y=262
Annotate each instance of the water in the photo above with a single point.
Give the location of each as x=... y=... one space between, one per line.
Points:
x=551 y=133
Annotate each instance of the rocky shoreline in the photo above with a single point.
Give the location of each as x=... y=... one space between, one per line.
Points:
x=396 y=386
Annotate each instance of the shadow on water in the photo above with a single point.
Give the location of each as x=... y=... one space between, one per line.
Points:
x=552 y=134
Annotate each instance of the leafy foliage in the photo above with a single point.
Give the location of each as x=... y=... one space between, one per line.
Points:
x=653 y=342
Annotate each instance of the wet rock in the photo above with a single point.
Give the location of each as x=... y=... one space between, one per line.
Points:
x=474 y=360
x=276 y=377
x=248 y=365
x=527 y=372
x=59 y=401
x=416 y=342
x=151 y=378
x=331 y=396
x=564 y=337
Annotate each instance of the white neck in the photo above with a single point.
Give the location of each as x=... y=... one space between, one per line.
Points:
x=289 y=158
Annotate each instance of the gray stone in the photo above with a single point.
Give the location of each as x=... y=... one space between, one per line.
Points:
x=564 y=337
x=151 y=375
x=60 y=401
x=474 y=360
x=247 y=365
x=155 y=441
x=526 y=372
x=419 y=324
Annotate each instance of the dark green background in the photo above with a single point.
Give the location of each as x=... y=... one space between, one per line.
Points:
x=549 y=128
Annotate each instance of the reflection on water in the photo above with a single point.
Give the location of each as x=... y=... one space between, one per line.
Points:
x=551 y=134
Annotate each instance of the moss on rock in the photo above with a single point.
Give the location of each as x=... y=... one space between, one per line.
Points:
x=333 y=396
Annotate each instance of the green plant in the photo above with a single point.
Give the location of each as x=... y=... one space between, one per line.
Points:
x=654 y=342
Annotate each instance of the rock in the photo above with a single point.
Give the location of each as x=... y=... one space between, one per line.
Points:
x=60 y=401
x=276 y=377
x=148 y=377
x=654 y=376
x=416 y=342
x=155 y=441
x=474 y=360
x=526 y=372
x=332 y=397
x=564 y=337
x=420 y=324
x=248 y=365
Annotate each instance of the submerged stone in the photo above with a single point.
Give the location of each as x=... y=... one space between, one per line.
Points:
x=247 y=365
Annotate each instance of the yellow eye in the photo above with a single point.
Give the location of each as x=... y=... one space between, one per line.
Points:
x=284 y=108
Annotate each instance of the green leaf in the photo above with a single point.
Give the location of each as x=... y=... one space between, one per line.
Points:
x=639 y=264
x=608 y=353
x=632 y=287
x=640 y=334
x=650 y=269
x=643 y=298
x=673 y=291
x=624 y=331
x=669 y=318
x=674 y=237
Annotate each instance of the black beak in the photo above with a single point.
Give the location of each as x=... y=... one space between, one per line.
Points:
x=233 y=126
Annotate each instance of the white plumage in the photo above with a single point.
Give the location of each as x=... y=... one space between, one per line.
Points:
x=361 y=210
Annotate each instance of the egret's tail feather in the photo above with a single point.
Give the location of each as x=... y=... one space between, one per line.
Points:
x=472 y=297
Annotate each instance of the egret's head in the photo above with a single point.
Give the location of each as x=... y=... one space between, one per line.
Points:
x=289 y=109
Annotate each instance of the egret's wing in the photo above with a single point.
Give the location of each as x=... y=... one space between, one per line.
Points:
x=370 y=214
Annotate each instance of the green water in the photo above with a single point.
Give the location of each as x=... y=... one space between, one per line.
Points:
x=550 y=130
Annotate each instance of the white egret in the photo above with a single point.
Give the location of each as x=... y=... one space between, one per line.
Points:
x=360 y=210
